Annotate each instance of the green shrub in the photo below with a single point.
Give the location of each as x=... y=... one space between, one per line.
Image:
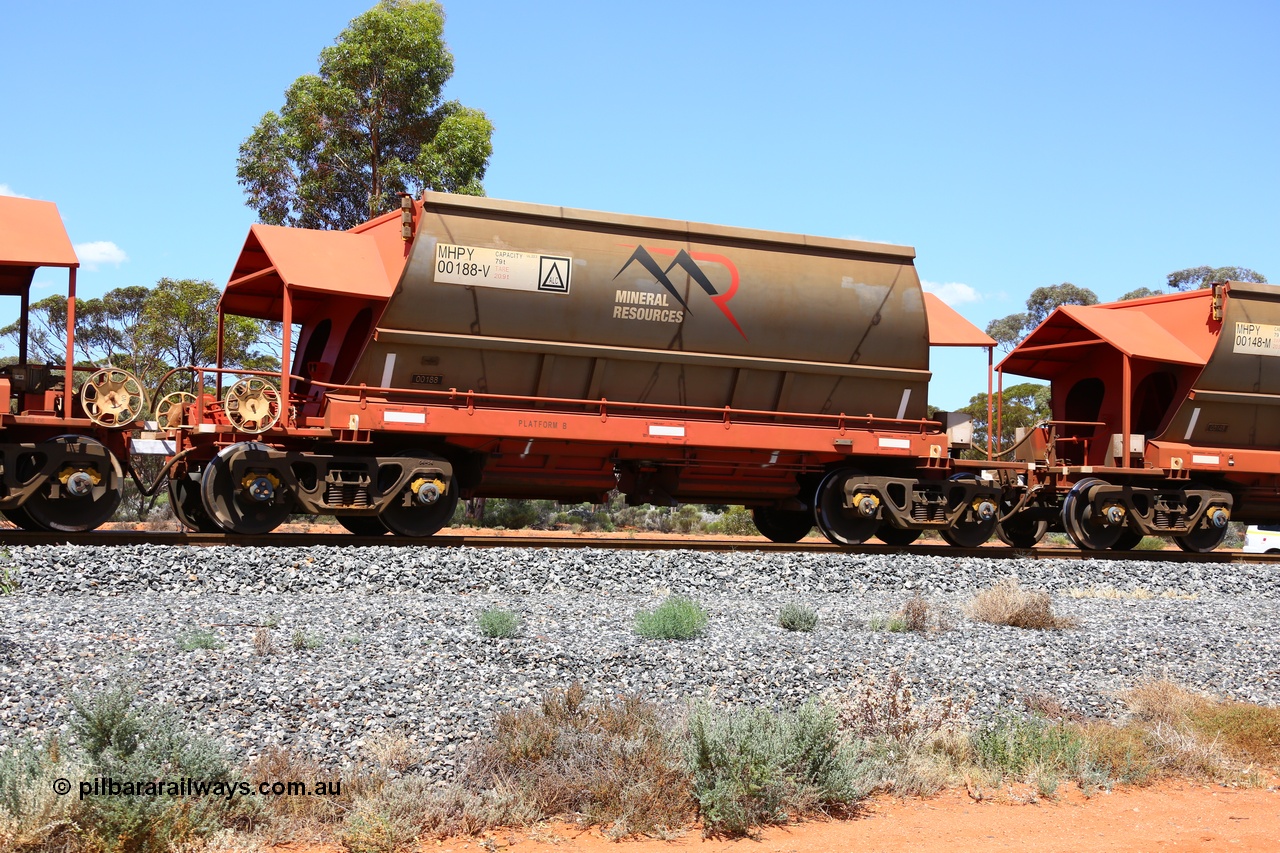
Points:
x=9 y=583
x=797 y=617
x=32 y=815
x=306 y=640
x=199 y=639
x=1016 y=745
x=497 y=623
x=677 y=618
x=735 y=521
x=121 y=741
x=1150 y=543
x=753 y=767
x=894 y=624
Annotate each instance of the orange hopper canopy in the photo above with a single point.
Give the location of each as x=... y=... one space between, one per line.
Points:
x=314 y=265
x=948 y=329
x=31 y=235
x=1174 y=329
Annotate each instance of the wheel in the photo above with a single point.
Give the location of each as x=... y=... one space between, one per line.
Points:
x=171 y=411
x=184 y=499
x=841 y=525
x=255 y=503
x=782 y=525
x=1202 y=540
x=890 y=535
x=252 y=405
x=19 y=516
x=410 y=515
x=1021 y=531
x=113 y=398
x=82 y=493
x=971 y=530
x=1078 y=519
x=1128 y=539
x=363 y=525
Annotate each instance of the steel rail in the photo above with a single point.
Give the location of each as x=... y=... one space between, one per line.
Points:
x=638 y=543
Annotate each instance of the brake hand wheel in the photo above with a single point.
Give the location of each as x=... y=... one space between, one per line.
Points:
x=252 y=405
x=171 y=411
x=113 y=398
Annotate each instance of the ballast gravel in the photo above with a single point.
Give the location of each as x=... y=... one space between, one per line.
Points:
x=387 y=644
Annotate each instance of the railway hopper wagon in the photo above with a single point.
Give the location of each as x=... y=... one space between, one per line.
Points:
x=473 y=347
x=1166 y=420
x=63 y=428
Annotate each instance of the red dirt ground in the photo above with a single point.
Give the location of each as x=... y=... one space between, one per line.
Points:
x=1171 y=817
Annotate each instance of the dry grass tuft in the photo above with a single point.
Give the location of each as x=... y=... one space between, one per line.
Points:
x=1250 y=731
x=1050 y=707
x=1007 y=603
x=889 y=710
x=612 y=762
x=263 y=643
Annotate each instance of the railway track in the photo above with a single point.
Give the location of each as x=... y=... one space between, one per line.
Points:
x=639 y=543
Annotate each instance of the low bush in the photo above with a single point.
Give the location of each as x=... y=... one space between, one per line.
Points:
x=1007 y=603
x=753 y=767
x=615 y=763
x=1250 y=731
x=122 y=741
x=199 y=639
x=32 y=815
x=304 y=640
x=734 y=521
x=496 y=623
x=1016 y=746
x=677 y=618
x=797 y=617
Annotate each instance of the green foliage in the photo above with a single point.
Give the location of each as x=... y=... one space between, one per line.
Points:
x=797 y=617
x=1043 y=300
x=894 y=624
x=1139 y=293
x=9 y=583
x=371 y=124
x=497 y=623
x=32 y=815
x=1009 y=331
x=303 y=640
x=1025 y=405
x=1015 y=745
x=123 y=742
x=1195 y=278
x=752 y=767
x=676 y=618
x=734 y=521
x=198 y=639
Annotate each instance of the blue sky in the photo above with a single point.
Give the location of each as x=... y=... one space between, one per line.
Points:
x=1014 y=145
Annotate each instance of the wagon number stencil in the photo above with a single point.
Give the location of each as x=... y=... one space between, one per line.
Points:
x=1257 y=338
x=502 y=268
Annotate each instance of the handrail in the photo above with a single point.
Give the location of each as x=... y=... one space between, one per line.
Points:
x=468 y=399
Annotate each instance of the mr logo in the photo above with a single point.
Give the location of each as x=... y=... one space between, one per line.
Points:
x=688 y=261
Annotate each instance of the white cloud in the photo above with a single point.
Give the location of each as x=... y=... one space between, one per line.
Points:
x=100 y=252
x=5 y=189
x=952 y=292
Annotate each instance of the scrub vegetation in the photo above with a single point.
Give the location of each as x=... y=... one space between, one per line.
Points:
x=629 y=766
